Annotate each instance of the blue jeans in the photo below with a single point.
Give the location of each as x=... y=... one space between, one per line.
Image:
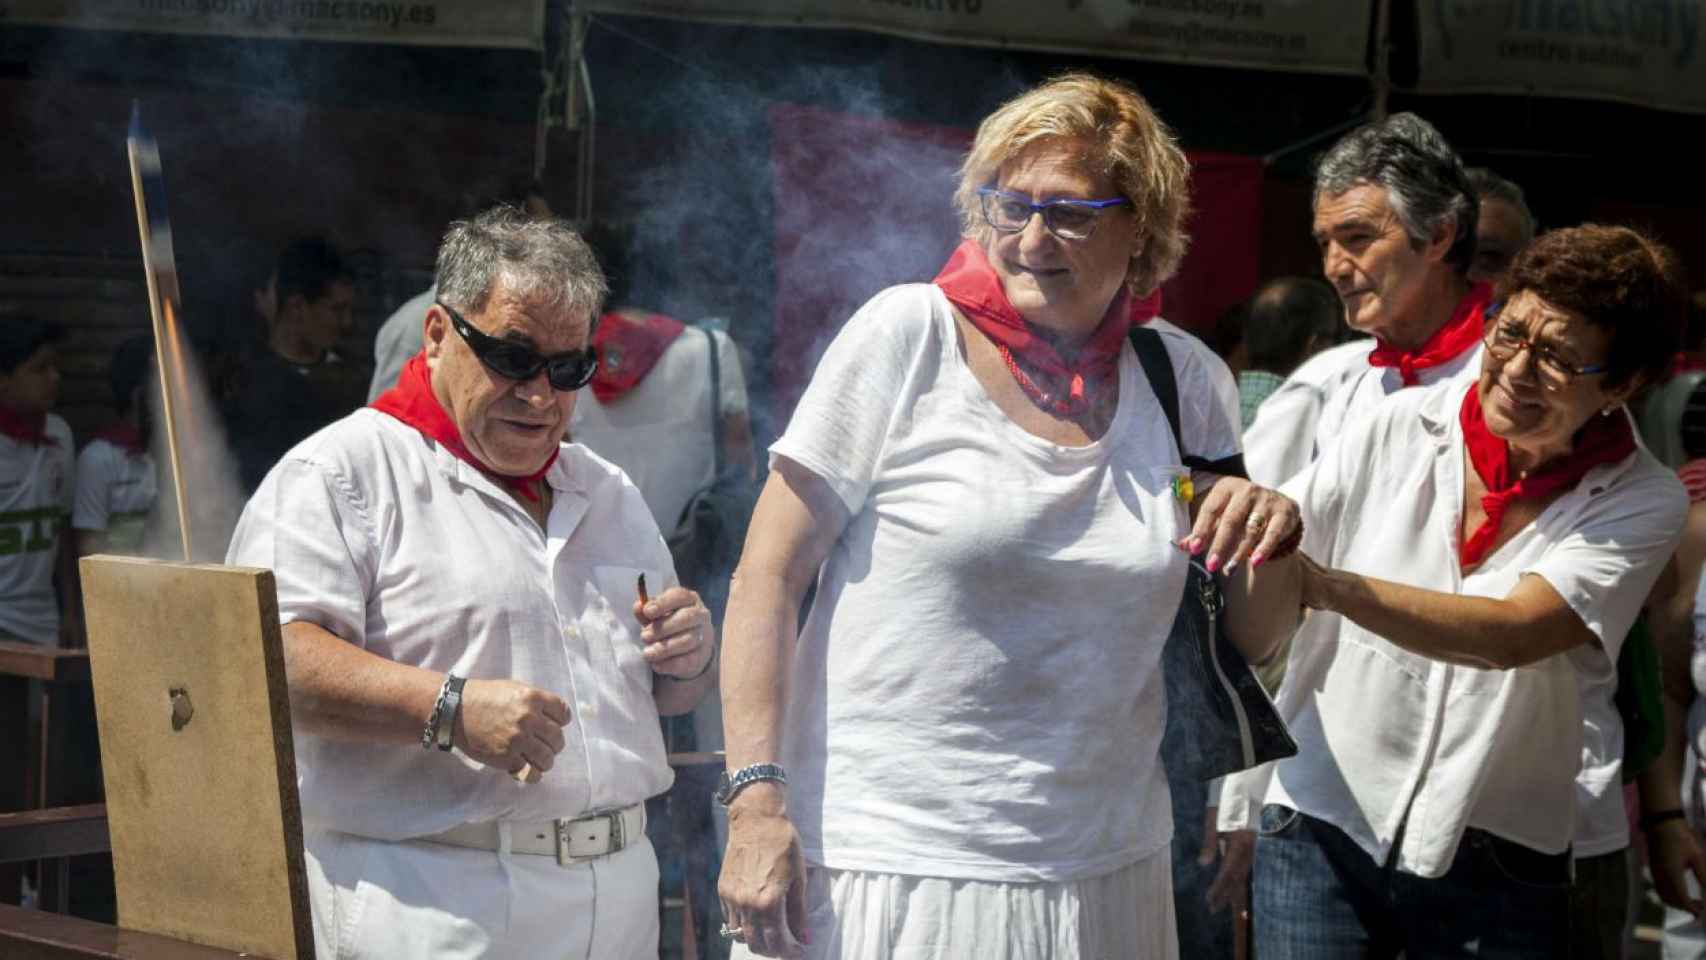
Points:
x=1318 y=896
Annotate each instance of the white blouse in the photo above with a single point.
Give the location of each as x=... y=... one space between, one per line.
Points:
x=1388 y=738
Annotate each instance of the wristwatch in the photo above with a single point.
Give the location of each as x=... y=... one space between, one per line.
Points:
x=730 y=784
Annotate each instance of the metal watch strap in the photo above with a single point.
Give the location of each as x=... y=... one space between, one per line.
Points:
x=437 y=719
x=452 y=706
x=731 y=784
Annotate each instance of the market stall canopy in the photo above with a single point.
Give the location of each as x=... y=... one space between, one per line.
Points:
x=1311 y=36
x=1645 y=52
x=514 y=24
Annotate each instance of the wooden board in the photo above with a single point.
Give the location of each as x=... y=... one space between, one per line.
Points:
x=205 y=824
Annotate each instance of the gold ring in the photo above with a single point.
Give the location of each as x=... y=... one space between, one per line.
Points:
x=1256 y=523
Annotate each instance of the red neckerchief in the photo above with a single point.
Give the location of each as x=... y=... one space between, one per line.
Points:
x=126 y=436
x=1602 y=440
x=1145 y=309
x=26 y=428
x=970 y=283
x=1460 y=333
x=1685 y=362
x=412 y=402
x=628 y=347
x=1693 y=477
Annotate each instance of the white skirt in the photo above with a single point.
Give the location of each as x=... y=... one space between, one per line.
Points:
x=854 y=915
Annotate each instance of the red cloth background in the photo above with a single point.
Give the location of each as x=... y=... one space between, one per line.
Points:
x=863 y=203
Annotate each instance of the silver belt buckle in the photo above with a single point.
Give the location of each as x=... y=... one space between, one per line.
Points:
x=614 y=839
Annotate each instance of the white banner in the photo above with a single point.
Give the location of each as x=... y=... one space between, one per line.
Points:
x=1647 y=52
x=1315 y=36
x=518 y=24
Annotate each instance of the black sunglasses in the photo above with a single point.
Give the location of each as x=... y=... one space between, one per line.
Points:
x=513 y=361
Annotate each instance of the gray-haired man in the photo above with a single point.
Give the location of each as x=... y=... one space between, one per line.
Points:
x=1395 y=223
x=453 y=577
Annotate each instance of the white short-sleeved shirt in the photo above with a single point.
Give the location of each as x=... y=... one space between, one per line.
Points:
x=1301 y=419
x=1297 y=421
x=977 y=691
x=1388 y=738
x=116 y=489
x=659 y=432
x=388 y=541
x=35 y=499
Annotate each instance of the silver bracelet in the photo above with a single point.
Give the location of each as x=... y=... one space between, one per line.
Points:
x=429 y=736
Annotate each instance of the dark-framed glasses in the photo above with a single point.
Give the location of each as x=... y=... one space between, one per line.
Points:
x=1506 y=337
x=515 y=361
x=1066 y=219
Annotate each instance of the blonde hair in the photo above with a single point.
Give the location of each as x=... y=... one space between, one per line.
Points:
x=1128 y=141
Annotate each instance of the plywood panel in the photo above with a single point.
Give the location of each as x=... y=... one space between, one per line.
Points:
x=206 y=828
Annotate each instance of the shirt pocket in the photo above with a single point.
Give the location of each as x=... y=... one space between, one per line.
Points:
x=611 y=612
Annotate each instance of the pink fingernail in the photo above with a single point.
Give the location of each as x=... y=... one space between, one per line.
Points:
x=1213 y=564
x=1256 y=560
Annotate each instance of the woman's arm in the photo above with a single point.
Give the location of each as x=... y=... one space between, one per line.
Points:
x=1262 y=609
x=1531 y=623
x=797 y=520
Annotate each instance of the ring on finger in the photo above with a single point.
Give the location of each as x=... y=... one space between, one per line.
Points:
x=731 y=933
x=1256 y=523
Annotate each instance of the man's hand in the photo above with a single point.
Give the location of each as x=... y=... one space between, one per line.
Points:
x=1673 y=852
x=676 y=629
x=511 y=726
x=763 y=883
x=1231 y=886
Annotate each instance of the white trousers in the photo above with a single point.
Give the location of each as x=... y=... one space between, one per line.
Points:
x=376 y=900
x=879 y=916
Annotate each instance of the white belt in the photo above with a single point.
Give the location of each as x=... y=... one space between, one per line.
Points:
x=570 y=841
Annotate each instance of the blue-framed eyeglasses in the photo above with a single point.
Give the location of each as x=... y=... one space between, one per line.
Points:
x=1066 y=219
x=1505 y=338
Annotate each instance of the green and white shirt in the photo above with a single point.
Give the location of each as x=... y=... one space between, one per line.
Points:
x=35 y=500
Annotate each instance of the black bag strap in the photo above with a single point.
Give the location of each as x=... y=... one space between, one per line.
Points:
x=716 y=409
x=1158 y=367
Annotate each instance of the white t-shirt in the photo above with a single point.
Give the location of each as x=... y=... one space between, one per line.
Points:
x=35 y=499
x=1389 y=738
x=659 y=432
x=388 y=541
x=115 y=492
x=977 y=691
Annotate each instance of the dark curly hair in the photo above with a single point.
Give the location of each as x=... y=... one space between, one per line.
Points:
x=1621 y=280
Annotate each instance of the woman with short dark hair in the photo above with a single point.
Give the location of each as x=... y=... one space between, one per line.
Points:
x=1475 y=555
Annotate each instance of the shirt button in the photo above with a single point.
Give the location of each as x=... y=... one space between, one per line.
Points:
x=573 y=633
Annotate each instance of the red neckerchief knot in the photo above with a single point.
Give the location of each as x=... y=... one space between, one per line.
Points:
x=1460 y=333
x=1052 y=382
x=628 y=346
x=1604 y=439
x=28 y=429
x=412 y=402
x=124 y=435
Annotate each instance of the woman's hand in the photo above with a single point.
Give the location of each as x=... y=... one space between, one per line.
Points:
x=763 y=883
x=1674 y=853
x=1237 y=520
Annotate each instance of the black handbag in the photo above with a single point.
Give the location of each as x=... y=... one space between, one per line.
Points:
x=1219 y=719
x=708 y=536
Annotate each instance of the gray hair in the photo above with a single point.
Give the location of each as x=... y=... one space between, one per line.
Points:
x=1424 y=180
x=1489 y=185
x=540 y=260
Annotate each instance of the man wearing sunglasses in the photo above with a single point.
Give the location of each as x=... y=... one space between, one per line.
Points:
x=476 y=669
